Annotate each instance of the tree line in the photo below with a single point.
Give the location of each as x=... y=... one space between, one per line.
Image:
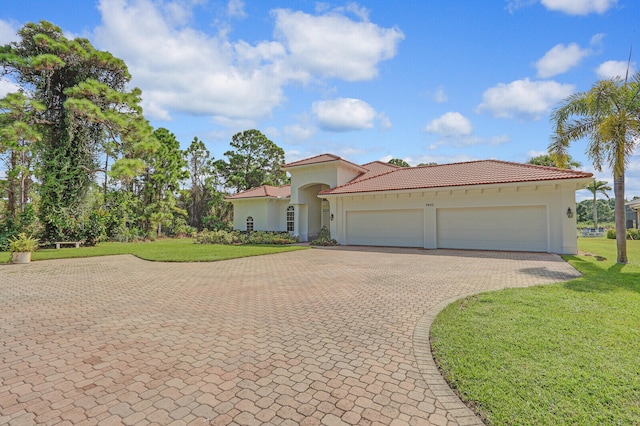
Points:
x=81 y=162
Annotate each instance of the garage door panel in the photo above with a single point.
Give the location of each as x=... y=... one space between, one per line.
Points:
x=493 y=228
x=399 y=228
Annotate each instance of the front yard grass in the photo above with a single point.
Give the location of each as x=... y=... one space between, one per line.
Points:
x=165 y=250
x=566 y=353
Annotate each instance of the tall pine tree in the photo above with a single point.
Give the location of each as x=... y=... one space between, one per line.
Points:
x=85 y=105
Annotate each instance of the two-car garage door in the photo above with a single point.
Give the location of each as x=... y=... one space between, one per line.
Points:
x=493 y=228
x=517 y=228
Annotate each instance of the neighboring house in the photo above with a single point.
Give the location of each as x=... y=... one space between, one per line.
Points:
x=632 y=210
x=486 y=205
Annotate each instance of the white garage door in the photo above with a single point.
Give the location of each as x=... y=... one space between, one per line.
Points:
x=396 y=228
x=493 y=228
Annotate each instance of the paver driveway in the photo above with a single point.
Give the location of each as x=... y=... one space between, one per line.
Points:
x=321 y=336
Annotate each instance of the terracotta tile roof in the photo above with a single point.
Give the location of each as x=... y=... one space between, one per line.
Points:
x=322 y=158
x=262 y=191
x=456 y=174
x=375 y=168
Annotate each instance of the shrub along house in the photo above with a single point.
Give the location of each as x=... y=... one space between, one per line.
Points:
x=485 y=205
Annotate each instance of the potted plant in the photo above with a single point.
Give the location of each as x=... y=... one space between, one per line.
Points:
x=21 y=248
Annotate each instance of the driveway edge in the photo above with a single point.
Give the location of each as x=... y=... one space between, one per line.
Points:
x=458 y=411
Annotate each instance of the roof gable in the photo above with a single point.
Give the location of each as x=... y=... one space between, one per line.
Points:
x=454 y=175
x=262 y=192
x=324 y=158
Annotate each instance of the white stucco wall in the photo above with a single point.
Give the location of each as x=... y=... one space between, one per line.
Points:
x=269 y=214
x=555 y=197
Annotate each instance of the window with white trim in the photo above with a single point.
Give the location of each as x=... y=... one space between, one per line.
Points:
x=249 y=223
x=291 y=215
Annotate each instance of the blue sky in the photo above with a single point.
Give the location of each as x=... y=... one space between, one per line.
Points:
x=437 y=80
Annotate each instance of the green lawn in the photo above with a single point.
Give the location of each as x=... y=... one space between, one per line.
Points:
x=166 y=250
x=566 y=353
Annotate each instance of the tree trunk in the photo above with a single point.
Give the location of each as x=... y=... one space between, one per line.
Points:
x=595 y=211
x=11 y=185
x=106 y=177
x=621 y=226
x=23 y=182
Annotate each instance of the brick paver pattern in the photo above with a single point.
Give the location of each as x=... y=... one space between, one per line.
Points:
x=322 y=336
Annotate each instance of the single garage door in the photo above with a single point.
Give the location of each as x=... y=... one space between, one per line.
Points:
x=493 y=228
x=396 y=228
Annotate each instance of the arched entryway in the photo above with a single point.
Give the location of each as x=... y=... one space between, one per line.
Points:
x=311 y=212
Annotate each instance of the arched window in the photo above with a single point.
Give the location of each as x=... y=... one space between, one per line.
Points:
x=291 y=215
x=249 y=223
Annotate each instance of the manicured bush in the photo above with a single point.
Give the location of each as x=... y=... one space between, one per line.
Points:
x=266 y=237
x=216 y=237
x=632 y=234
x=236 y=237
x=324 y=238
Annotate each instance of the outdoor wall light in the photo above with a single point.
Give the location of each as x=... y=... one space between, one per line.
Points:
x=331 y=216
x=569 y=213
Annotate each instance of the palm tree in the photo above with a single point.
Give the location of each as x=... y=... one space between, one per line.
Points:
x=595 y=187
x=609 y=116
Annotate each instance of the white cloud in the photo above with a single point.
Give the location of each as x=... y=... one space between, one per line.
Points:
x=451 y=124
x=513 y=5
x=166 y=61
x=333 y=45
x=354 y=8
x=469 y=140
x=344 y=114
x=534 y=153
x=359 y=11
x=612 y=69
x=596 y=40
x=300 y=131
x=347 y=151
x=560 y=59
x=177 y=12
x=235 y=9
x=571 y=7
x=7 y=87
x=182 y=70
x=234 y=122
x=524 y=99
x=8 y=32
x=455 y=130
x=384 y=123
x=579 y=7
x=440 y=96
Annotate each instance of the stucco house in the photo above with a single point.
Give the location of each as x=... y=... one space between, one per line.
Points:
x=485 y=205
x=632 y=209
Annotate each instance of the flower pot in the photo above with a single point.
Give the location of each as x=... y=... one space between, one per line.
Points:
x=21 y=257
